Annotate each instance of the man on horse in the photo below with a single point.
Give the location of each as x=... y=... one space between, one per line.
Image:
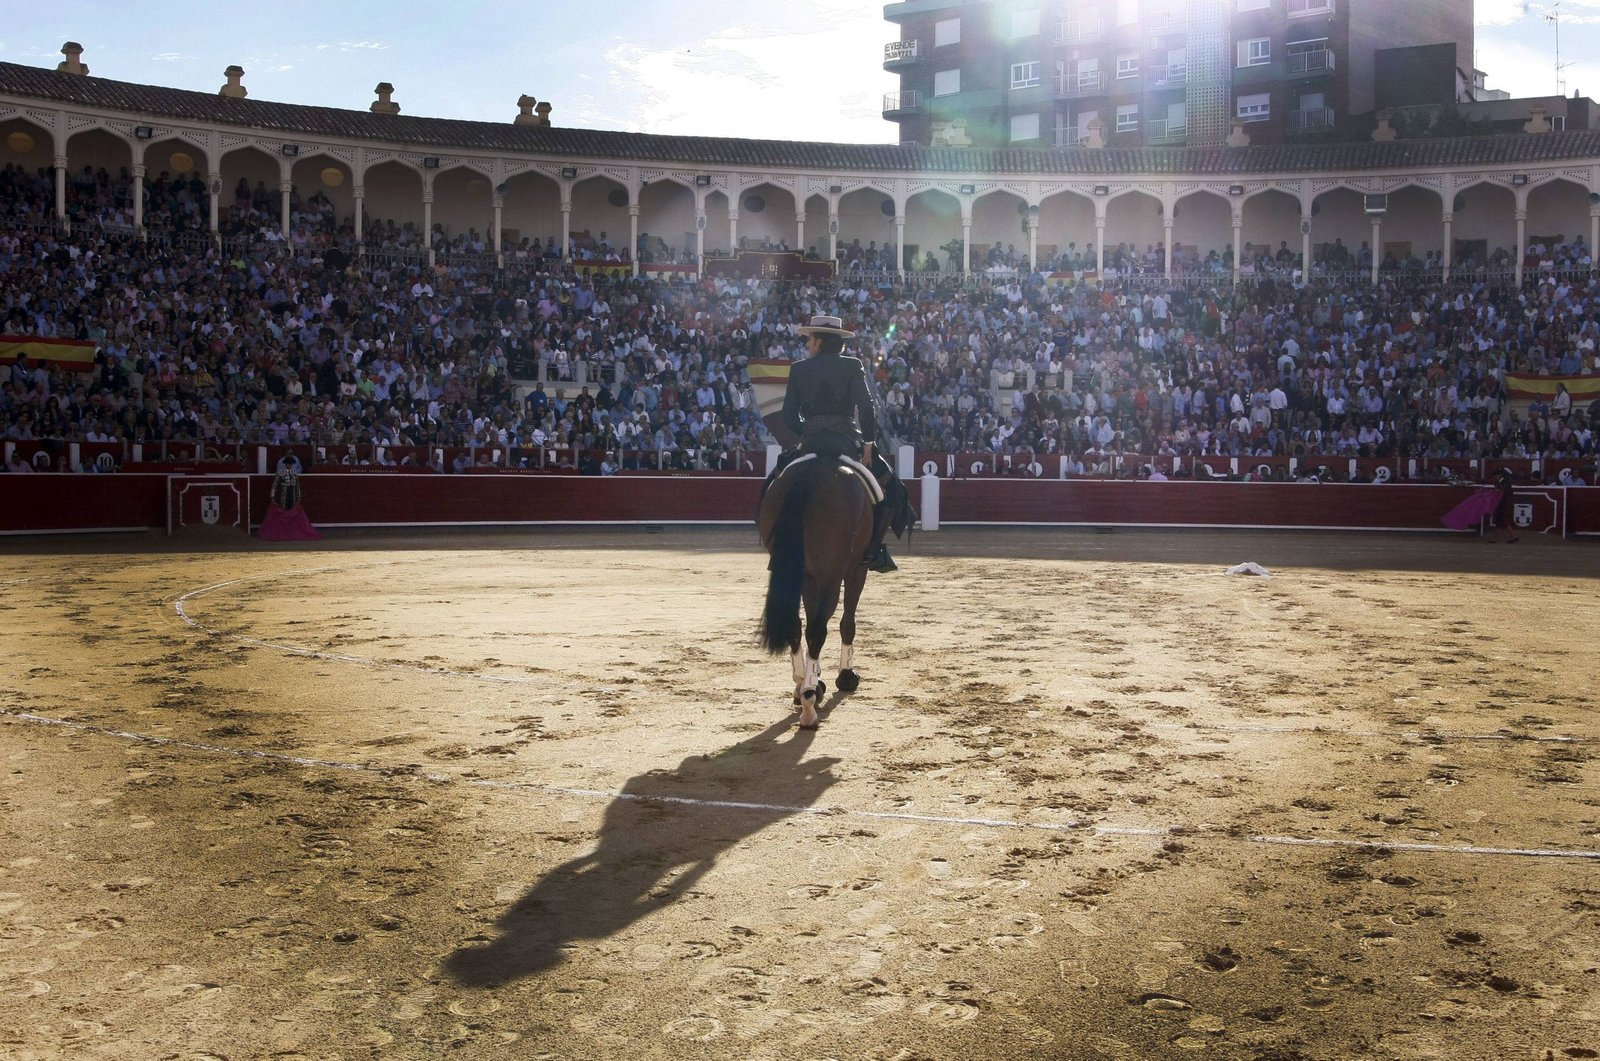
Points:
x=827 y=405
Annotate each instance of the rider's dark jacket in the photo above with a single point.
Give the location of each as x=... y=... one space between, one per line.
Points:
x=825 y=401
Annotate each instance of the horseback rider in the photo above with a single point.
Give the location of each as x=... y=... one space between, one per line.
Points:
x=827 y=405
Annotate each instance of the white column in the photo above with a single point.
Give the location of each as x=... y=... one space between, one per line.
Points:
x=1166 y=229
x=1377 y=245
x=1033 y=239
x=733 y=228
x=1449 y=244
x=1238 y=244
x=1522 y=242
x=499 y=212
x=1100 y=244
x=1305 y=248
x=833 y=237
x=633 y=238
x=138 y=199
x=285 y=189
x=800 y=231
x=427 y=220
x=61 y=187
x=1594 y=230
x=566 y=228
x=214 y=186
x=700 y=243
x=360 y=191
x=900 y=245
x=966 y=245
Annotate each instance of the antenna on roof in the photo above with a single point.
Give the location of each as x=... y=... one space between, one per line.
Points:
x=1552 y=15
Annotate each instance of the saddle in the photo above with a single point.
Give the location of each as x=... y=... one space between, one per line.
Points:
x=870 y=481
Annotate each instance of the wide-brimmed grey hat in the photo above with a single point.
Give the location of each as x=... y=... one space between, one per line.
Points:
x=824 y=325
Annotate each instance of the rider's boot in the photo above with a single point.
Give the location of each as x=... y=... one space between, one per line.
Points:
x=877 y=558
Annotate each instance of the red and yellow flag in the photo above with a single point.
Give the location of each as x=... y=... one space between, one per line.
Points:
x=1584 y=389
x=76 y=355
x=770 y=379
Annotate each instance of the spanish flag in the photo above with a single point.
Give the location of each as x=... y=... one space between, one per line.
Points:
x=75 y=355
x=770 y=379
x=1584 y=389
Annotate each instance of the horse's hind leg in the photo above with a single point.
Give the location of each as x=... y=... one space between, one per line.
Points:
x=849 y=680
x=820 y=605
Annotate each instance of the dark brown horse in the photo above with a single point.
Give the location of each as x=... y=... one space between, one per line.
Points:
x=816 y=522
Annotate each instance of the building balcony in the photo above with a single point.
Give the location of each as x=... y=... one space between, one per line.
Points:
x=1071 y=31
x=1171 y=75
x=900 y=54
x=1165 y=131
x=1071 y=86
x=1311 y=64
x=901 y=104
x=1310 y=121
x=1259 y=74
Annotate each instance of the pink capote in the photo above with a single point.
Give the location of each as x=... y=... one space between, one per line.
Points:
x=287 y=525
x=1479 y=505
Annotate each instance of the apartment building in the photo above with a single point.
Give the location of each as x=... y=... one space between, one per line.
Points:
x=1134 y=73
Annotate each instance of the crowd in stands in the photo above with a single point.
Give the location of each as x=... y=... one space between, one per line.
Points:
x=310 y=343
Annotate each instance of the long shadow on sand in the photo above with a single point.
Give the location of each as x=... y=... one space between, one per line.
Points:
x=651 y=851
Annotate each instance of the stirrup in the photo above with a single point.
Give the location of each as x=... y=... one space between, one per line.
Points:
x=881 y=562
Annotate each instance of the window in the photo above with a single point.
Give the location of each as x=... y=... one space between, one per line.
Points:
x=946 y=31
x=1128 y=65
x=1127 y=12
x=1024 y=75
x=1088 y=73
x=1255 y=52
x=1310 y=7
x=1256 y=108
x=1558 y=123
x=1127 y=118
x=1024 y=24
x=1024 y=127
x=1254 y=5
x=1312 y=101
x=947 y=82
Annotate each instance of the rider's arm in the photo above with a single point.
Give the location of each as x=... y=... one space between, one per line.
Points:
x=864 y=413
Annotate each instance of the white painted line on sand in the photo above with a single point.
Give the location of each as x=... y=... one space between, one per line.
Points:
x=774 y=808
x=1393 y=734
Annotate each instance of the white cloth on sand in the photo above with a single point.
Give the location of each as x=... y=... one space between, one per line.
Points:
x=1249 y=568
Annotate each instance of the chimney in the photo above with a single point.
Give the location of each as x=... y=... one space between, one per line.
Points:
x=1536 y=123
x=1097 y=135
x=525 y=115
x=544 y=113
x=73 y=63
x=383 y=104
x=233 y=90
x=1238 y=138
x=1384 y=132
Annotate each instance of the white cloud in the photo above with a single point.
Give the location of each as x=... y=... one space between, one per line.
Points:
x=1526 y=70
x=1489 y=13
x=353 y=46
x=786 y=83
x=168 y=57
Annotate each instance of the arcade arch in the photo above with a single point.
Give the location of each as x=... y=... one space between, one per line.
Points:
x=933 y=222
x=766 y=215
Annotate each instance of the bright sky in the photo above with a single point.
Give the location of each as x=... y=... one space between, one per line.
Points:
x=782 y=69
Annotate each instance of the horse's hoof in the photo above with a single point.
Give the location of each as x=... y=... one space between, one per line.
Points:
x=822 y=690
x=849 y=681
x=802 y=725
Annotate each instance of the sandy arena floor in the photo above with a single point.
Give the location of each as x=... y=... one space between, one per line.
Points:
x=538 y=796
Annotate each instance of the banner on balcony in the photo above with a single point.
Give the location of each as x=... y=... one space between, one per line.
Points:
x=1584 y=389
x=76 y=355
x=770 y=379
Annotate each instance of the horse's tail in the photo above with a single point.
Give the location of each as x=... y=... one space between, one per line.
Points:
x=780 y=621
